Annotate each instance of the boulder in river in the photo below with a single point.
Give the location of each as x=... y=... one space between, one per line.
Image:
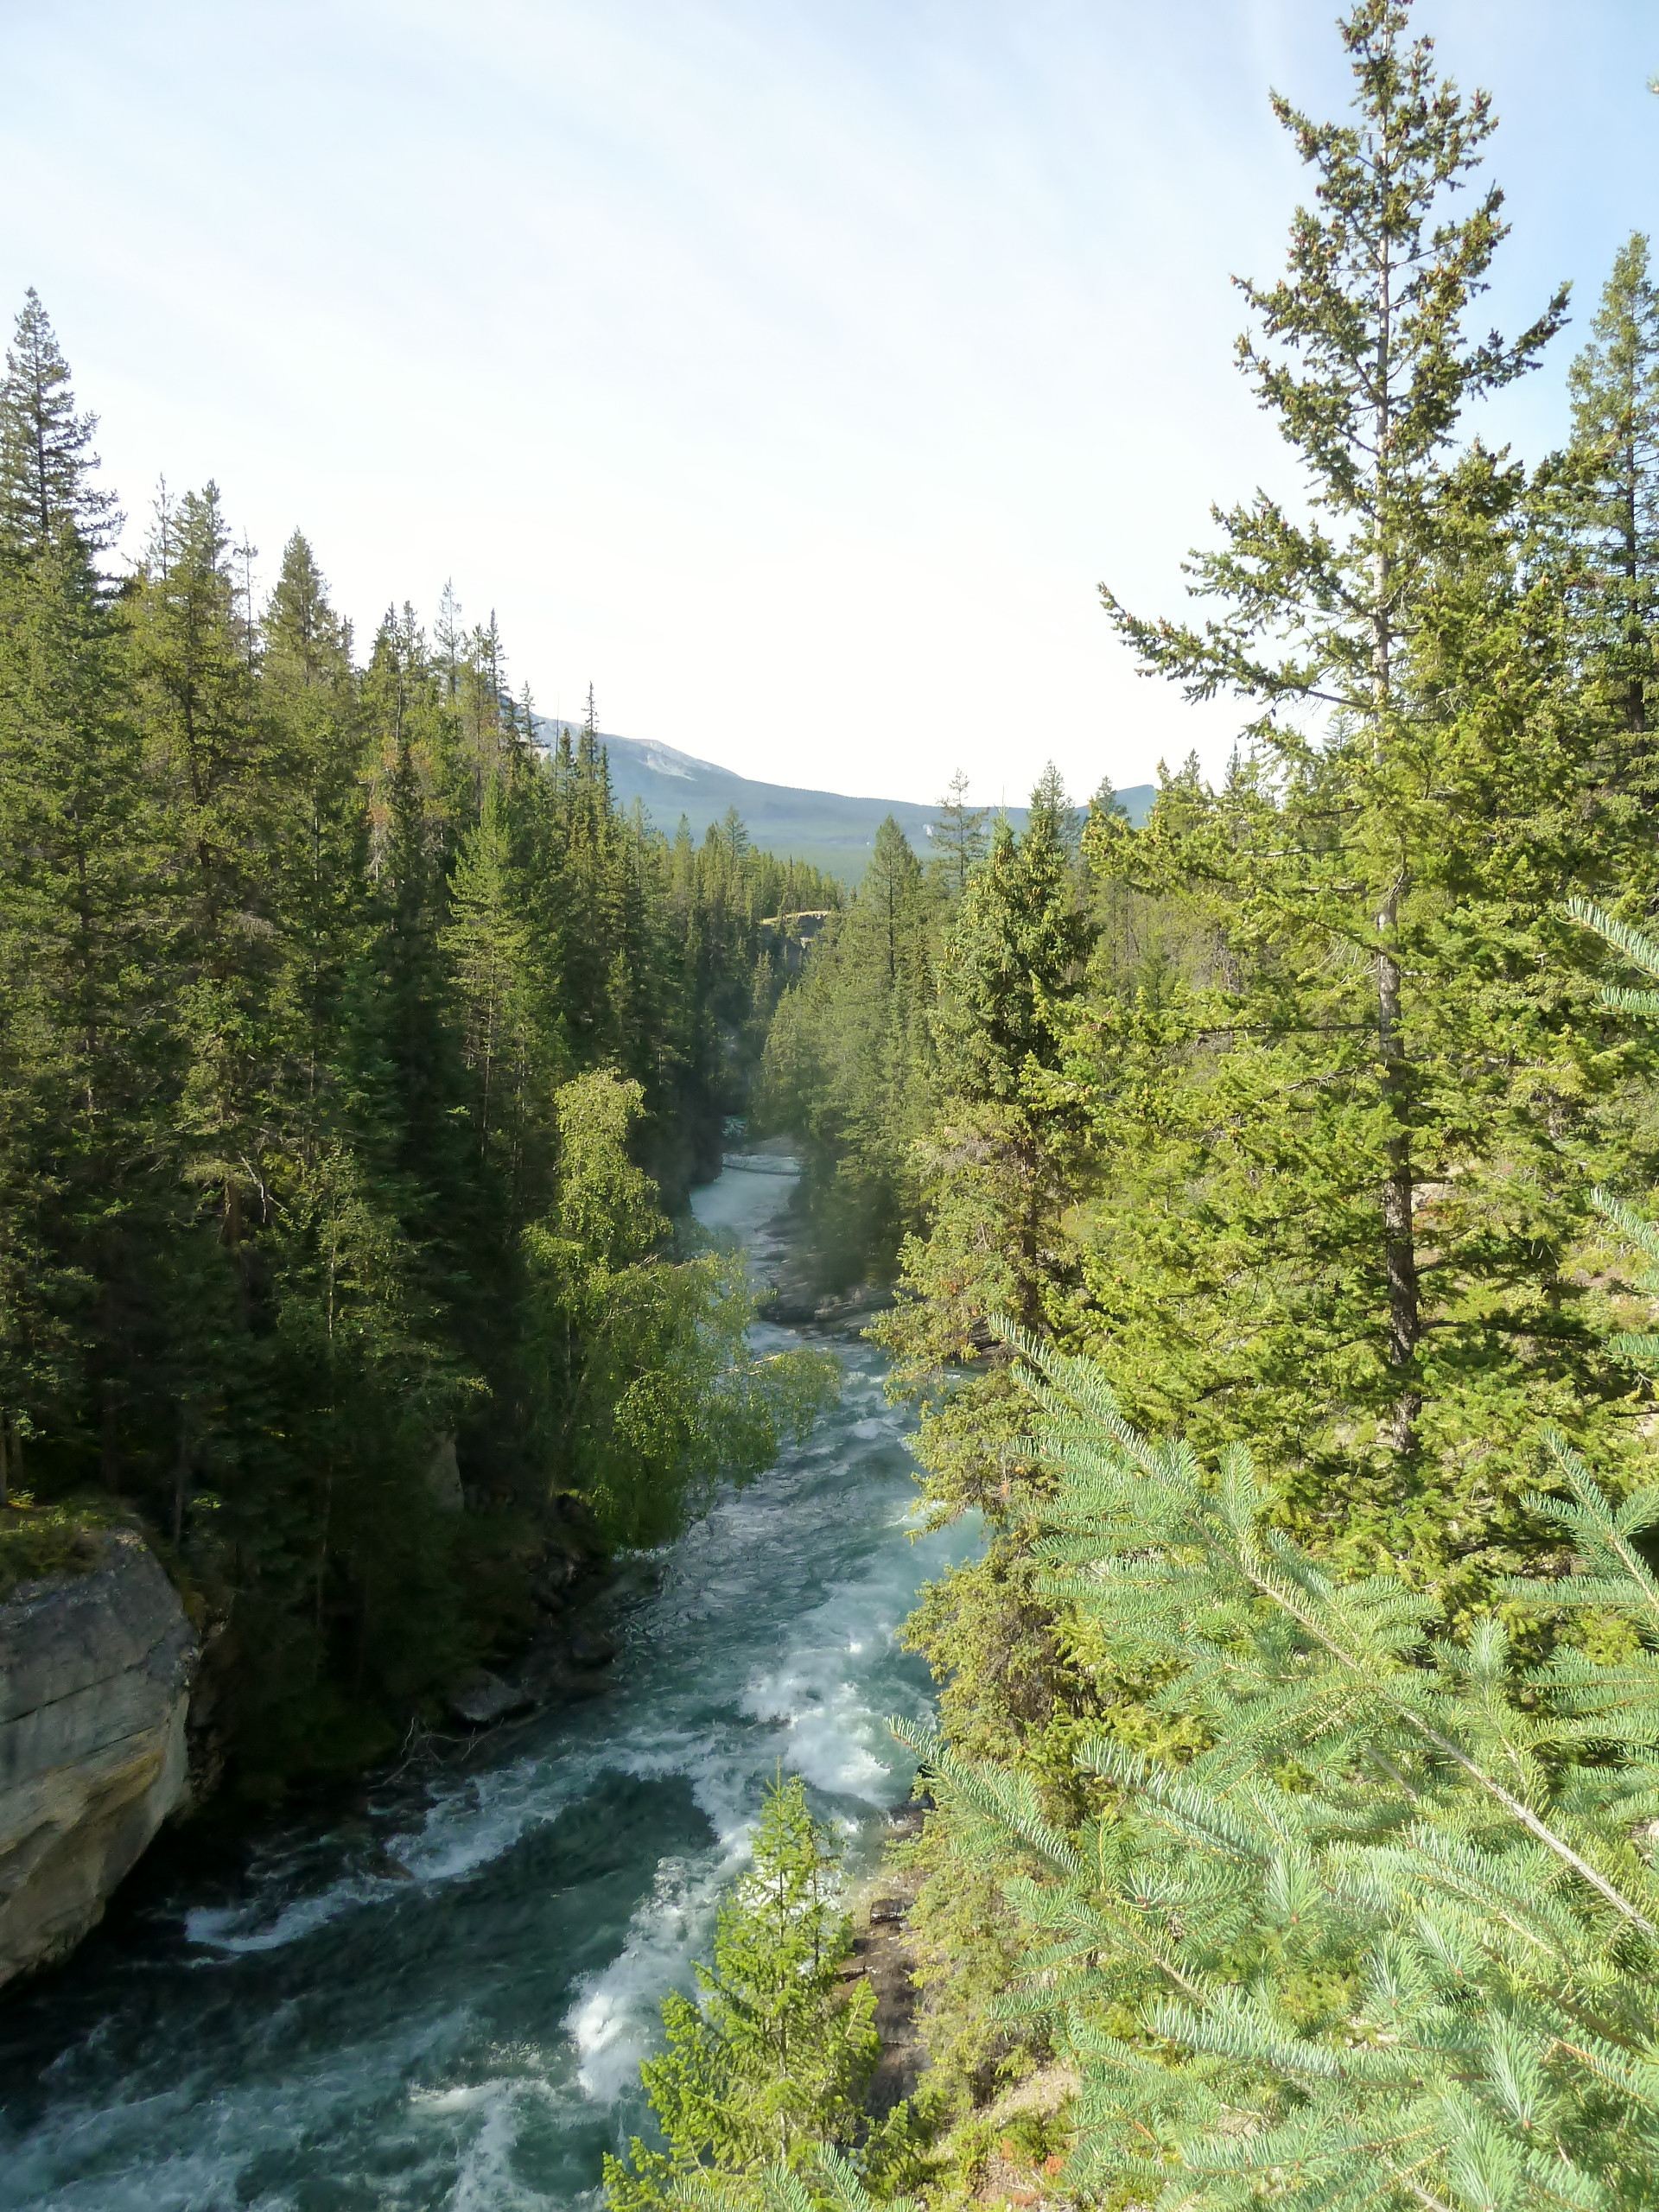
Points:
x=94 y=1682
x=481 y=1699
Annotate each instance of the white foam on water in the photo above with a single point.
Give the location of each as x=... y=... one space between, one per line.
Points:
x=491 y=2114
x=615 y=2021
x=469 y=1828
x=465 y=1829
x=192 y=2147
x=775 y=1644
x=743 y=1203
x=170 y=2181
x=821 y=1691
x=233 y=1929
x=486 y=2180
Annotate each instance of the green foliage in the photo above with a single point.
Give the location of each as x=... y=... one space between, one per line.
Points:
x=828 y=2181
x=848 y=1061
x=55 y=1539
x=966 y=1942
x=775 y=2059
x=995 y=1168
x=1605 y=502
x=648 y=1390
x=1364 y=364
x=1354 y=1130
x=48 y=498
x=1286 y=1112
x=1389 y=1935
x=353 y=1047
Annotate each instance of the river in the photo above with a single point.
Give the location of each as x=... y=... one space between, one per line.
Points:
x=441 y=1999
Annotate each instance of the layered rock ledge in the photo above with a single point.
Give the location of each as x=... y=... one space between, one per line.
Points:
x=94 y=1683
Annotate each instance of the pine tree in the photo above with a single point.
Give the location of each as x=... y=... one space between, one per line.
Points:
x=320 y=852
x=847 y=1064
x=46 y=456
x=1385 y=1931
x=486 y=943
x=1017 y=943
x=1383 y=1935
x=1304 y=1089
x=294 y=959
x=1363 y=361
x=1375 y=1921
x=959 y=838
x=79 y=1019
x=775 y=2060
x=1607 y=492
x=994 y=1166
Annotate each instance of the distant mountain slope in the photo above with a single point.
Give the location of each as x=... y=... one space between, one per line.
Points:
x=832 y=831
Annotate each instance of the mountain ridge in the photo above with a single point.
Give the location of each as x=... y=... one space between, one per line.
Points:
x=833 y=830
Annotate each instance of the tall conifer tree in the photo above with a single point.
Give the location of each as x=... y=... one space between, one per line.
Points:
x=1364 y=364
x=1607 y=492
x=46 y=456
x=1374 y=1234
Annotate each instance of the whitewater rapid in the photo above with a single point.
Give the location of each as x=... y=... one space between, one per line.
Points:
x=442 y=1999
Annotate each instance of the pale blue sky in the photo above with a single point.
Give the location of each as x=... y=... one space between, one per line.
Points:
x=791 y=369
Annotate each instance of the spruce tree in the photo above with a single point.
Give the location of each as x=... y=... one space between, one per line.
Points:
x=1363 y=360
x=847 y=1066
x=46 y=456
x=1328 y=1211
x=774 y=2061
x=959 y=837
x=993 y=1164
x=294 y=958
x=1375 y=1922
x=81 y=1024
x=1606 y=493
x=1384 y=1932
x=211 y=749
x=319 y=853
x=487 y=947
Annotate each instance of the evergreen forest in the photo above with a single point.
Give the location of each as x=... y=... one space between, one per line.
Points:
x=1269 y=1199
x=357 y=1052
x=1260 y=1209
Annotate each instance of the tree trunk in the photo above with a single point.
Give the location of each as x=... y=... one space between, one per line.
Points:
x=1399 y=1236
x=1399 y=1240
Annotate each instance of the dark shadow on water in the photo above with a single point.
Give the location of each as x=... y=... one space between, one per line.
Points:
x=491 y=1958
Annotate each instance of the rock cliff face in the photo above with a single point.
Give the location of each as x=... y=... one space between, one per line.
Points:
x=94 y=1680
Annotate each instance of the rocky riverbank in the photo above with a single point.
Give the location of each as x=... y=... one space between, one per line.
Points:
x=436 y=1980
x=119 y=1715
x=95 y=1672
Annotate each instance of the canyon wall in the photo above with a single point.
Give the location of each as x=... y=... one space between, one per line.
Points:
x=94 y=1682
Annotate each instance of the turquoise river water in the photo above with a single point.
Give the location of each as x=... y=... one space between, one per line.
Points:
x=442 y=1998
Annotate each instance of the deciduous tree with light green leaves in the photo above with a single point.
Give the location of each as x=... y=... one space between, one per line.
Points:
x=647 y=1390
